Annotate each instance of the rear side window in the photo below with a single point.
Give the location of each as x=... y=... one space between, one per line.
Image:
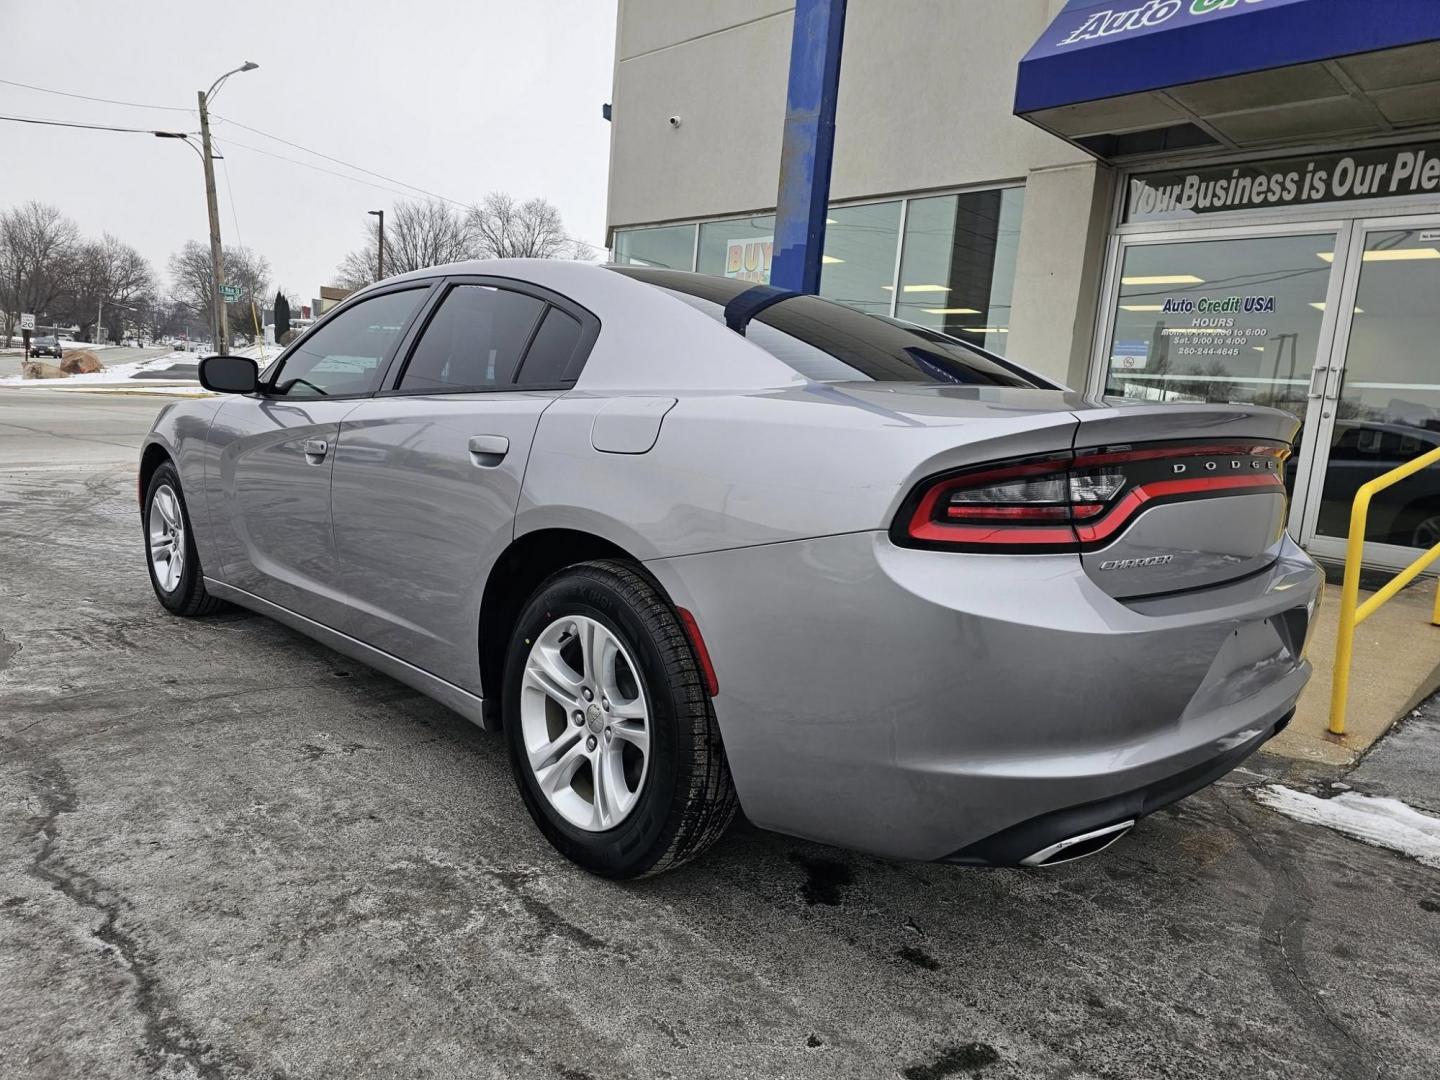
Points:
x=475 y=340
x=829 y=342
x=552 y=353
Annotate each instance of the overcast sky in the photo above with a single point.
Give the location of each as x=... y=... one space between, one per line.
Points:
x=459 y=97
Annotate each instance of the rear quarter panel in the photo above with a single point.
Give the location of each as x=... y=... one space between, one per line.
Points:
x=740 y=469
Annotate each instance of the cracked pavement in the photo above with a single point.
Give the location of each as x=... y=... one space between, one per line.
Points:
x=227 y=852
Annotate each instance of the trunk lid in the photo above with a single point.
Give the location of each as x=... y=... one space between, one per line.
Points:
x=1203 y=487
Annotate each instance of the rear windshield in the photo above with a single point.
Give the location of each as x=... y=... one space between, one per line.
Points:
x=828 y=342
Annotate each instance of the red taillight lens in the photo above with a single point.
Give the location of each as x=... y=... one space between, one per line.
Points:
x=1078 y=500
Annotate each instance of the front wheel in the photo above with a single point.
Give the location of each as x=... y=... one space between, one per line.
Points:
x=170 y=552
x=611 y=732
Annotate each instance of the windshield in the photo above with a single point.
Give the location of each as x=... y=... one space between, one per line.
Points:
x=829 y=342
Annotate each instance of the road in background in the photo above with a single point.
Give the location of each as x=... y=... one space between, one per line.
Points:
x=68 y=428
x=226 y=851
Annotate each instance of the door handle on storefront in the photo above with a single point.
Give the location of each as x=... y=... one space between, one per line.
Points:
x=1317 y=383
x=1332 y=386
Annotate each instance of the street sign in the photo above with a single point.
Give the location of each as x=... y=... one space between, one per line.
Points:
x=27 y=321
x=230 y=293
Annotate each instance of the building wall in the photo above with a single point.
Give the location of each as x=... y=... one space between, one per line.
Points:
x=926 y=89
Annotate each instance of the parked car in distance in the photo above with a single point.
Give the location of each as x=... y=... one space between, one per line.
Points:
x=694 y=544
x=46 y=345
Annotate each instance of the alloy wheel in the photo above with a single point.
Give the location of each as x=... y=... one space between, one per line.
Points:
x=584 y=722
x=166 y=532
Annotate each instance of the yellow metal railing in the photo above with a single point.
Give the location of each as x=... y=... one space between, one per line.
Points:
x=1352 y=614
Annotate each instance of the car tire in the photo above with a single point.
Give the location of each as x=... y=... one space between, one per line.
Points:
x=674 y=803
x=165 y=522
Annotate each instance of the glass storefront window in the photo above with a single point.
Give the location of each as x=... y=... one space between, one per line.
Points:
x=957 y=269
x=963 y=244
x=669 y=246
x=858 y=267
x=1233 y=321
x=738 y=248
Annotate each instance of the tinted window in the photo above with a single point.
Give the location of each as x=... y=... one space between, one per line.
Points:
x=345 y=355
x=829 y=342
x=475 y=339
x=553 y=350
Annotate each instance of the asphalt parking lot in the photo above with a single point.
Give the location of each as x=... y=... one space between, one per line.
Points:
x=227 y=852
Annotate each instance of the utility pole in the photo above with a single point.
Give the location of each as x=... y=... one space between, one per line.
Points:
x=99 y=308
x=379 y=245
x=217 y=256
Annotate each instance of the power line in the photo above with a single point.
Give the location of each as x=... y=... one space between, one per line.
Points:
x=328 y=172
x=339 y=161
x=71 y=124
x=87 y=97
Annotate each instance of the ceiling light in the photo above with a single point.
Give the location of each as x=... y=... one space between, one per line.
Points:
x=1319 y=305
x=1142 y=307
x=1402 y=254
x=1390 y=255
x=950 y=311
x=927 y=288
x=1258 y=348
x=888 y=288
x=830 y=259
x=831 y=221
x=984 y=329
x=1163 y=279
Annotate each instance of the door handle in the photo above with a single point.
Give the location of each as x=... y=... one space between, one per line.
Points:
x=315 y=450
x=1317 y=382
x=487 y=451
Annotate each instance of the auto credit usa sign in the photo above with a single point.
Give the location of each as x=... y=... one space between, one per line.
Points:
x=1085 y=22
x=1341 y=176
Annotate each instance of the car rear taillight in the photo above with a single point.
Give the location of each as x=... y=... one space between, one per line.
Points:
x=1078 y=500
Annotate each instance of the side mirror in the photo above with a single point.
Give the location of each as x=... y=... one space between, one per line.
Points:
x=229 y=374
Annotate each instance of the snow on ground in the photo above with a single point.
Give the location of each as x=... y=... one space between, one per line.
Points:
x=1387 y=823
x=115 y=374
x=122 y=377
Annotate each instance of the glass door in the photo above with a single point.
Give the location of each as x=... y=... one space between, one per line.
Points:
x=1228 y=316
x=1379 y=401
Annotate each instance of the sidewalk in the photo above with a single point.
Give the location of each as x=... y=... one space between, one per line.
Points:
x=1396 y=666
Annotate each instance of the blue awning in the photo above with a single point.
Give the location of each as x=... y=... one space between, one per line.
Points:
x=1132 y=53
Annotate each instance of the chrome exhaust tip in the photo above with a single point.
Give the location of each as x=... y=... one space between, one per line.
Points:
x=1078 y=846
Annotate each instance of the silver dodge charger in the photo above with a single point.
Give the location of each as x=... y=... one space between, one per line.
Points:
x=695 y=544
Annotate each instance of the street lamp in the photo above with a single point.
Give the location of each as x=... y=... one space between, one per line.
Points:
x=217 y=257
x=379 y=245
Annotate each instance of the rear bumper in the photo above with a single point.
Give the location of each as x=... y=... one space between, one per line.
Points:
x=916 y=704
x=1012 y=846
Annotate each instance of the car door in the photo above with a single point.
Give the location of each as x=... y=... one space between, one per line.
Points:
x=272 y=452
x=427 y=475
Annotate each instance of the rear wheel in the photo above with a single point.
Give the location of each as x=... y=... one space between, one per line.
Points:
x=171 y=558
x=611 y=732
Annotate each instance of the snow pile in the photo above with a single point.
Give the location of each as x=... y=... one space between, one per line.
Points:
x=1387 y=823
x=117 y=373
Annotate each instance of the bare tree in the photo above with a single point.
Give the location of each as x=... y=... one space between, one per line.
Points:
x=106 y=278
x=505 y=228
x=37 y=244
x=417 y=235
x=190 y=276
